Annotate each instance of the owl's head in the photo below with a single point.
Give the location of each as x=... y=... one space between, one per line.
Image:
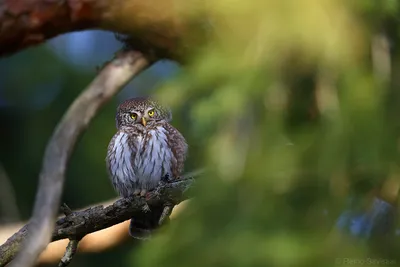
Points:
x=141 y=111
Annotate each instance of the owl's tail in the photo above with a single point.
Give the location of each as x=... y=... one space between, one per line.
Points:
x=145 y=222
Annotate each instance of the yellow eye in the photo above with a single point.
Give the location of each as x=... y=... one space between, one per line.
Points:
x=151 y=113
x=133 y=116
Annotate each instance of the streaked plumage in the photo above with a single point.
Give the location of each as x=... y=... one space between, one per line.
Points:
x=145 y=149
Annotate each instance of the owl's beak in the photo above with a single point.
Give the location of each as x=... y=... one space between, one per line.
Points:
x=143 y=121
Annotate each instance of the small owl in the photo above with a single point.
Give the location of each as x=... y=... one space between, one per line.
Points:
x=145 y=149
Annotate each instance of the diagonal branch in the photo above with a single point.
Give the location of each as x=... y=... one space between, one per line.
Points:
x=78 y=224
x=71 y=249
x=109 y=81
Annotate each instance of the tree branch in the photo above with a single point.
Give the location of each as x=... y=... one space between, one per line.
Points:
x=78 y=224
x=71 y=249
x=24 y=23
x=72 y=246
x=113 y=77
x=152 y=25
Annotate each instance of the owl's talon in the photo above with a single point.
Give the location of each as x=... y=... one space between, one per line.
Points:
x=149 y=195
x=143 y=192
x=146 y=208
x=160 y=184
x=136 y=192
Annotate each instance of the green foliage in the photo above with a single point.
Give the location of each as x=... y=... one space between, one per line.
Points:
x=292 y=99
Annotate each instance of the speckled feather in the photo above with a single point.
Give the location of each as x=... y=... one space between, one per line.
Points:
x=139 y=159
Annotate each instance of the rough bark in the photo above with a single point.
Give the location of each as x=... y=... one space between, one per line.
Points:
x=153 y=25
x=24 y=23
x=78 y=224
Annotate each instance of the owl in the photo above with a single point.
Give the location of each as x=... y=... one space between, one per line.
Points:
x=145 y=150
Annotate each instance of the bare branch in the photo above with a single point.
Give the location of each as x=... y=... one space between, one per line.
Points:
x=69 y=253
x=72 y=246
x=25 y=23
x=113 y=77
x=80 y=223
x=65 y=209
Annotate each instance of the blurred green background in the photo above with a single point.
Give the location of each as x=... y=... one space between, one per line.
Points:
x=291 y=105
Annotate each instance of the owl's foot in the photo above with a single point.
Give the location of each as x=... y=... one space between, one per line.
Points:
x=143 y=192
x=146 y=208
x=136 y=192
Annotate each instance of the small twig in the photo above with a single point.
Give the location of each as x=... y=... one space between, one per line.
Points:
x=59 y=149
x=72 y=244
x=65 y=209
x=80 y=223
x=69 y=253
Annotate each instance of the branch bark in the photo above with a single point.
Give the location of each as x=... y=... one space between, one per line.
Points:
x=155 y=25
x=71 y=249
x=72 y=246
x=78 y=224
x=24 y=23
x=113 y=77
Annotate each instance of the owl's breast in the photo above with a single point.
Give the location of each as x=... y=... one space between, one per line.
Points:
x=139 y=160
x=154 y=157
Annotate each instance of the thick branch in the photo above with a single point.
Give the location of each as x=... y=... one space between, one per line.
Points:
x=113 y=77
x=152 y=25
x=81 y=223
x=24 y=23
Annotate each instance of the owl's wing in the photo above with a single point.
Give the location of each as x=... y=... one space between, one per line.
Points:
x=179 y=148
x=120 y=162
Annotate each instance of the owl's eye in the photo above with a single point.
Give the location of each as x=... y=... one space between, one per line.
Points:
x=133 y=116
x=151 y=113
